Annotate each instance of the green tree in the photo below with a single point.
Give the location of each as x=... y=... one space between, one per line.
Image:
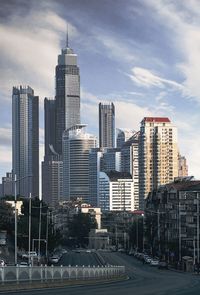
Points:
x=6 y=216
x=80 y=227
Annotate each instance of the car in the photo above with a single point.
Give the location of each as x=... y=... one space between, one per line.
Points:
x=54 y=259
x=2 y=262
x=154 y=262
x=147 y=259
x=31 y=254
x=162 y=264
x=23 y=264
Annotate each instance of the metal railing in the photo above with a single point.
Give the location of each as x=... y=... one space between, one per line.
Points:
x=52 y=273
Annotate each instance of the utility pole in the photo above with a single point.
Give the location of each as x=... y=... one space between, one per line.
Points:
x=29 y=230
x=198 y=228
x=158 y=217
x=15 y=184
x=179 y=223
x=39 y=238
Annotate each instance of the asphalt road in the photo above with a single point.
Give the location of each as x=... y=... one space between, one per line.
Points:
x=144 y=280
x=82 y=258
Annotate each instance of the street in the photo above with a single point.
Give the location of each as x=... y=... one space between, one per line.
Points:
x=144 y=280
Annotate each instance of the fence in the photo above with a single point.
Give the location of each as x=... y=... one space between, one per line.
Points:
x=53 y=273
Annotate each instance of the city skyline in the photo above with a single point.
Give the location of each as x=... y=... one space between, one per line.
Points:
x=144 y=75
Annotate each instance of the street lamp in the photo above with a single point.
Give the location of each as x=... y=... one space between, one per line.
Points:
x=15 y=191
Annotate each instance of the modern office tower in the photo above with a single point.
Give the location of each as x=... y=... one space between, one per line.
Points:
x=49 y=126
x=158 y=160
x=101 y=159
x=129 y=164
x=123 y=135
x=25 y=140
x=76 y=146
x=116 y=191
x=182 y=166
x=52 y=180
x=7 y=184
x=52 y=166
x=106 y=125
x=67 y=94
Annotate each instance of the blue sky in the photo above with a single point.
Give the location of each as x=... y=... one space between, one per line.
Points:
x=142 y=55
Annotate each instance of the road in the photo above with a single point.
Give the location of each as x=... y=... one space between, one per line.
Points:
x=82 y=258
x=144 y=280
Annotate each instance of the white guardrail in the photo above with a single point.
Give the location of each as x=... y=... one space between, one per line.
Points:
x=52 y=273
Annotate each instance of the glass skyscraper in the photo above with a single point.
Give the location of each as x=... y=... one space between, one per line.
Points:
x=25 y=140
x=106 y=125
x=67 y=94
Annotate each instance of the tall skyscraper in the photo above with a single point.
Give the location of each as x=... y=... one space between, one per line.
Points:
x=76 y=146
x=106 y=125
x=25 y=140
x=52 y=166
x=67 y=94
x=158 y=154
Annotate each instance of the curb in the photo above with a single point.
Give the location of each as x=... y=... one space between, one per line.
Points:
x=61 y=284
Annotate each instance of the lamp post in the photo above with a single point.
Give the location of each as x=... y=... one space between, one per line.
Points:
x=15 y=192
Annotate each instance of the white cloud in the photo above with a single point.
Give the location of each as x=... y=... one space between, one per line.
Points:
x=146 y=78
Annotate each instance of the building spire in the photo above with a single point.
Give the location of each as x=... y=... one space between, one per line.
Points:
x=67 y=38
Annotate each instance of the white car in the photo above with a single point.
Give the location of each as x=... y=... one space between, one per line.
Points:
x=154 y=262
x=32 y=254
x=54 y=259
x=23 y=264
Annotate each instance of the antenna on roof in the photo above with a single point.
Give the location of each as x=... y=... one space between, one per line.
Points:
x=67 y=37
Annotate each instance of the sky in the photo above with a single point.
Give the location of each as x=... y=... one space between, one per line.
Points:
x=143 y=55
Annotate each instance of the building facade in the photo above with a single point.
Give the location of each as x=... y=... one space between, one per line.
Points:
x=106 y=125
x=130 y=164
x=158 y=154
x=7 y=184
x=182 y=166
x=76 y=146
x=123 y=135
x=67 y=94
x=25 y=140
x=172 y=219
x=115 y=191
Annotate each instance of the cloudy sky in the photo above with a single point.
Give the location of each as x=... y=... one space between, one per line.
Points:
x=144 y=55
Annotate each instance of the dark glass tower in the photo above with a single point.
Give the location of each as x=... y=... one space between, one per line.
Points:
x=106 y=125
x=67 y=94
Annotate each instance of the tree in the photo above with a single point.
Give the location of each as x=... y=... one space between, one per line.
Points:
x=6 y=216
x=80 y=227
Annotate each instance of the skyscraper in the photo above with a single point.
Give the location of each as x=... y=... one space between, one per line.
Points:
x=25 y=140
x=52 y=166
x=123 y=135
x=76 y=147
x=106 y=125
x=158 y=154
x=67 y=94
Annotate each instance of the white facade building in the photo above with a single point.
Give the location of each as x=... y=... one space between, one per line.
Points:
x=76 y=146
x=116 y=192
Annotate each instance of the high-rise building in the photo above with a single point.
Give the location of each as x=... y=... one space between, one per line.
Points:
x=101 y=159
x=182 y=166
x=106 y=125
x=52 y=179
x=123 y=135
x=67 y=94
x=76 y=146
x=129 y=164
x=158 y=154
x=7 y=184
x=116 y=191
x=49 y=126
x=25 y=140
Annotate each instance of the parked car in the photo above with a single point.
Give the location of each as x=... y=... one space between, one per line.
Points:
x=154 y=262
x=2 y=262
x=23 y=264
x=147 y=259
x=54 y=259
x=162 y=264
x=32 y=254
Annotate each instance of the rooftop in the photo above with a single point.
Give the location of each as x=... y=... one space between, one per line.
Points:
x=156 y=119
